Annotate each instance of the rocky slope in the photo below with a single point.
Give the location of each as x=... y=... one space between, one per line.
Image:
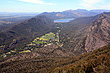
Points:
x=98 y=34
x=86 y=34
x=97 y=61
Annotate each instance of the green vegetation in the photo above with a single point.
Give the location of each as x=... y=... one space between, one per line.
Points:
x=24 y=32
x=10 y=53
x=25 y=51
x=48 y=36
x=58 y=27
x=44 y=39
x=37 y=42
x=97 y=61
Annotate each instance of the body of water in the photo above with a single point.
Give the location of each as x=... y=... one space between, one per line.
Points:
x=63 y=20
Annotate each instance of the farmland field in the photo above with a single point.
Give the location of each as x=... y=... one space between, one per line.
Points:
x=48 y=36
x=44 y=38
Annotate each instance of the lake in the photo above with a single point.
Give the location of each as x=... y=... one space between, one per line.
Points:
x=63 y=20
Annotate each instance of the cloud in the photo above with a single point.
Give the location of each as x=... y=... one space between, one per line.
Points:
x=10 y=2
x=91 y=1
x=106 y=6
x=91 y=4
x=86 y=5
x=36 y=2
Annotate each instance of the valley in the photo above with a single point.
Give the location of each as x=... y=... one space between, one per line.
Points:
x=54 y=36
x=41 y=45
x=39 y=42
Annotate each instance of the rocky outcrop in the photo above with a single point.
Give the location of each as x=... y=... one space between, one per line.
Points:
x=93 y=42
x=98 y=34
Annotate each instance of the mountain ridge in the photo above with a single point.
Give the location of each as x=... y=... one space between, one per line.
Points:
x=99 y=31
x=80 y=32
x=73 y=13
x=25 y=32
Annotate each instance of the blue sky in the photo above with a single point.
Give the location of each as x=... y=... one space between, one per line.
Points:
x=51 y=5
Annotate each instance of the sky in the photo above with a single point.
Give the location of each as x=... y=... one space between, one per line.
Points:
x=51 y=5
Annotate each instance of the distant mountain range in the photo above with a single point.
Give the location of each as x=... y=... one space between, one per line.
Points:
x=8 y=19
x=73 y=13
x=99 y=11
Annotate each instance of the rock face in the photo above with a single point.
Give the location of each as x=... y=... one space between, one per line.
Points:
x=87 y=33
x=98 y=34
x=92 y=43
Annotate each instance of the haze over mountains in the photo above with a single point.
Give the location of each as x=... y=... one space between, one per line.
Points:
x=8 y=19
x=73 y=13
x=41 y=45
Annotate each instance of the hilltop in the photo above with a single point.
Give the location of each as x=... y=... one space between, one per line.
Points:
x=23 y=33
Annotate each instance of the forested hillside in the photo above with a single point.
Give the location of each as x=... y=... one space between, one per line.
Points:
x=96 y=61
x=23 y=33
